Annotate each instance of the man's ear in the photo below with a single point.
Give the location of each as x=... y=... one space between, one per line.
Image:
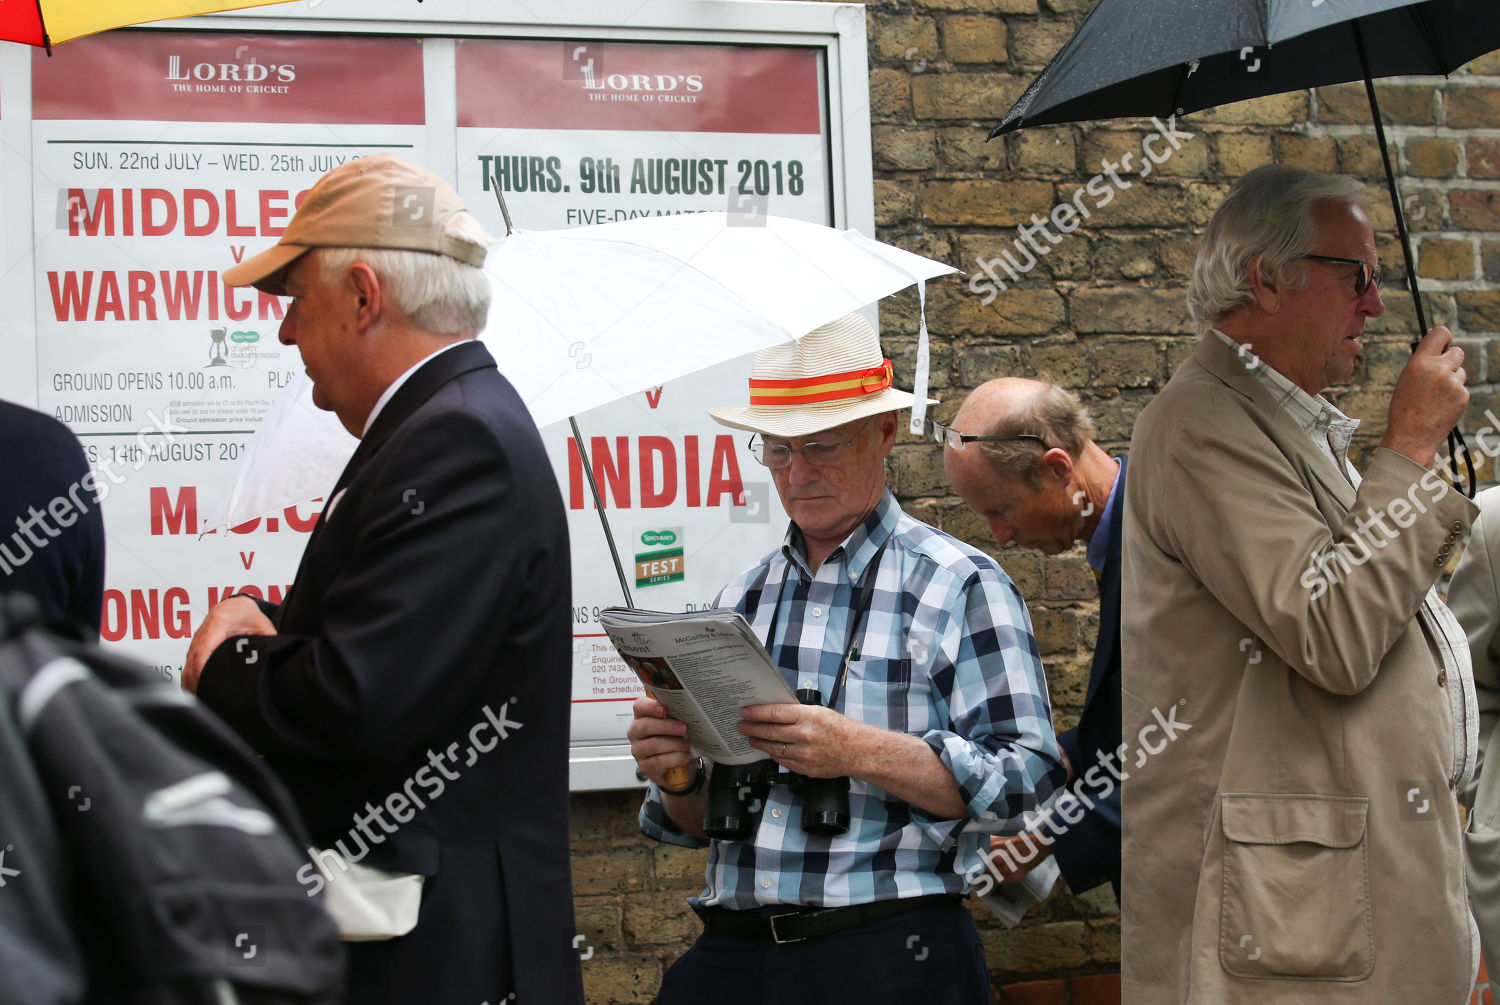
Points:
x=1059 y=463
x=885 y=427
x=364 y=285
x=1267 y=296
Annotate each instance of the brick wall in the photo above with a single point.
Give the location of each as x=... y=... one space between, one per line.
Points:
x=1103 y=313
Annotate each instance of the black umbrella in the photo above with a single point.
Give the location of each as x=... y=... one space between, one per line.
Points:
x=1171 y=57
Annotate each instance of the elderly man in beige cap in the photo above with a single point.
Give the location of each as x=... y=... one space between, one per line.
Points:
x=932 y=710
x=423 y=630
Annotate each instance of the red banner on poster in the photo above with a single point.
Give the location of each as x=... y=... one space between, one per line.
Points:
x=560 y=84
x=159 y=76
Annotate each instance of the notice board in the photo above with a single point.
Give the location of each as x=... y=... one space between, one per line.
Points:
x=142 y=163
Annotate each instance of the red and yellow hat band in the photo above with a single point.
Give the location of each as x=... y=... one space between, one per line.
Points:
x=849 y=385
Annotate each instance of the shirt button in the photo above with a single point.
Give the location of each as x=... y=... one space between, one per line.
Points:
x=1443 y=678
x=807 y=685
x=852 y=575
x=1457 y=527
x=817 y=612
x=776 y=814
x=765 y=884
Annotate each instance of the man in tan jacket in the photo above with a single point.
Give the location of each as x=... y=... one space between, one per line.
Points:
x=1299 y=841
x=1474 y=595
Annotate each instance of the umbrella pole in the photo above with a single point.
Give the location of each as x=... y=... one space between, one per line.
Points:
x=1457 y=447
x=588 y=470
x=504 y=209
x=1390 y=178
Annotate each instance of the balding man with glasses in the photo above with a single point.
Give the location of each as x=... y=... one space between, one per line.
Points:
x=940 y=720
x=1021 y=454
x=1297 y=839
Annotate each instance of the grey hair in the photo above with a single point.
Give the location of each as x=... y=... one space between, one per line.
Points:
x=1054 y=414
x=439 y=294
x=1269 y=213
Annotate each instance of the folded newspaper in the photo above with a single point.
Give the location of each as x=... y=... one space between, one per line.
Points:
x=705 y=667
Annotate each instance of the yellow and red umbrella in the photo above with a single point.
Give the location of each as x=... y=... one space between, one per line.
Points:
x=50 y=22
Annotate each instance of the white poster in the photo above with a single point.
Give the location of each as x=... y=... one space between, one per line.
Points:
x=161 y=159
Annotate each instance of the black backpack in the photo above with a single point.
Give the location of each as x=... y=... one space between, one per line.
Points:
x=174 y=871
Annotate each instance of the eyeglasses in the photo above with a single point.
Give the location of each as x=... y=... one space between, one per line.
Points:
x=1366 y=275
x=779 y=455
x=951 y=437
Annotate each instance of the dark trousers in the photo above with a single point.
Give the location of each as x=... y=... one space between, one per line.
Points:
x=928 y=956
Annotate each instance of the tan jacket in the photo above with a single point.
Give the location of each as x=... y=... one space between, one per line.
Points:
x=1474 y=596
x=1300 y=842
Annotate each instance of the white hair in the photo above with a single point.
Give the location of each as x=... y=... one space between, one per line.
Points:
x=439 y=294
x=1269 y=213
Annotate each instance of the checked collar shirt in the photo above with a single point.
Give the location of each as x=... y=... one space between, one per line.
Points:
x=947 y=654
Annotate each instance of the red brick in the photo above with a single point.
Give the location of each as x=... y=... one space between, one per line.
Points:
x=1034 y=993
x=1475 y=209
x=1100 y=989
x=1473 y=107
x=1484 y=158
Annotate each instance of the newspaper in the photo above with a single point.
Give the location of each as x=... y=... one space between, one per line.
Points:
x=704 y=666
x=1011 y=901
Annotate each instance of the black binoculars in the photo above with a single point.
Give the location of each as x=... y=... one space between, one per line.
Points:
x=733 y=789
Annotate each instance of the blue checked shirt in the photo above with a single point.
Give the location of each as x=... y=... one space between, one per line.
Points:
x=947 y=654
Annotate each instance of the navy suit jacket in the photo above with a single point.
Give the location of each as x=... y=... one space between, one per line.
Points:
x=423 y=663
x=1088 y=852
x=61 y=566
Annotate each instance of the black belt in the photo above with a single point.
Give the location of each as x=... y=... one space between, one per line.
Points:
x=810 y=923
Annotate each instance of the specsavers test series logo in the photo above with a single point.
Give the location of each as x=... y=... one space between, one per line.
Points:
x=661 y=561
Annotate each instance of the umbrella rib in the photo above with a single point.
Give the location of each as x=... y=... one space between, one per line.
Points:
x=41 y=23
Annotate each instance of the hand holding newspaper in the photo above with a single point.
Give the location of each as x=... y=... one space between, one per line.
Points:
x=704 y=667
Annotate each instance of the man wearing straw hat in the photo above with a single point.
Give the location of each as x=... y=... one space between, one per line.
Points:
x=417 y=674
x=941 y=722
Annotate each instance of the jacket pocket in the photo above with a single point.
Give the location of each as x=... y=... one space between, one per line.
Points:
x=1296 y=887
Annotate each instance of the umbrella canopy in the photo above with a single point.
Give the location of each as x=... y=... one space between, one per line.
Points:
x=1170 y=57
x=589 y=315
x=50 y=22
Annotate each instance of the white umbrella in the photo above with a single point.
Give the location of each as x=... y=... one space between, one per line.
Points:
x=588 y=315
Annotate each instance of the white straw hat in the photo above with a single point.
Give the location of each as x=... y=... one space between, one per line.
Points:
x=832 y=375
